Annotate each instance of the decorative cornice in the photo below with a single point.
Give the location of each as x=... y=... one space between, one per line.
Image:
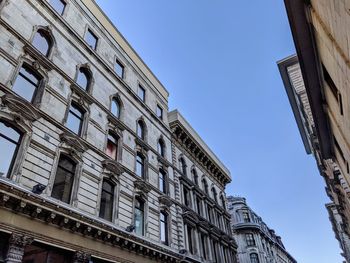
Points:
x=19 y=105
x=165 y=200
x=73 y=142
x=113 y=166
x=142 y=187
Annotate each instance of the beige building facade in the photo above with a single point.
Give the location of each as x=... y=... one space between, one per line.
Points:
x=257 y=243
x=320 y=32
x=93 y=166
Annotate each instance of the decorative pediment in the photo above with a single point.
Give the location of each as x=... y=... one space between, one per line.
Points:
x=116 y=122
x=113 y=166
x=81 y=96
x=40 y=59
x=190 y=216
x=165 y=201
x=73 y=143
x=204 y=224
x=141 y=144
x=164 y=161
x=142 y=187
x=20 y=106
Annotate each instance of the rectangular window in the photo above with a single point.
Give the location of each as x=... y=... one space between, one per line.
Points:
x=112 y=146
x=246 y=217
x=107 y=201
x=26 y=84
x=91 y=39
x=159 y=112
x=140 y=167
x=204 y=246
x=164 y=228
x=58 y=5
x=186 y=193
x=62 y=187
x=334 y=89
x=199 y=205
x=75 y=119
x=162 y=182
x=119 y=69
x=250 y=239
x=141 y=93
x=139 y=217
x=190 y=240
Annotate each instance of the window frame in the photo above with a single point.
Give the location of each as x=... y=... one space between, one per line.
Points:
x=142 y=164
x=82 y=122
x=142 y=96
x=18 y=144
x=250 y=240
x=163 y=182
x=64 y=8
x=142 y=208
x=121 y=65
x=94 y=35
x=117 y=139
x=166 y=227
x=85 y=70
x=160 y=110
x=47 y=35
x=113 y=193
x=74 y=175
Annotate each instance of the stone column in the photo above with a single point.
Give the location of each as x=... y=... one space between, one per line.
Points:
x=81 y=257
x=17 y=244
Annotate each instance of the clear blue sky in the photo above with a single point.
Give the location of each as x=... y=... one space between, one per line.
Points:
x=218 y=61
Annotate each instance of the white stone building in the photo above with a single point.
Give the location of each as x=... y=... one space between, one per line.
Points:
x=93 y=168
x=257 y=243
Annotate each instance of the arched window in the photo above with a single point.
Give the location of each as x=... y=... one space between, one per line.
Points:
x=62 y=187
x=10 y=140
x=27 y=83
x=254 y=258
x=58 y=5
x=139 y=216
x=84 y=78
x=183 y=166
x=205 y=186
x=194 y=176
x=162 y=181
x=161 y=147
x=43 y=42
x=107 y=200
x=141 y=129
x=75 y=118
x=116 y=107
x=140 y=165
x=112 y=146
x=214 y=193
x=164 y=228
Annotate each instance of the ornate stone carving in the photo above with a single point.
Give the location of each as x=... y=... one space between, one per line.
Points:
x=81 y=257
x=20 y=106
x=17 y=244
x=113 y=166
x=142 y=187
x=165 y=200
x=73 y=144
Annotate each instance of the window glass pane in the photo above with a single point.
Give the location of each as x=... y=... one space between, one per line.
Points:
x=41 y=43
x=107 y=196
x=64 y=180
x=119 y=69
x=91 y=39
x=83 y=79
x=8 y=148
x=141 y=93
x=139 y=166
x=58 y=5
x=112 y=146
x=159 y=112
x=74 y=120
x=161 y=148
x=26 y=84
x=115 y=108
x=163 y=228
x=139 y=217
x=162 y=182
x=140 y=130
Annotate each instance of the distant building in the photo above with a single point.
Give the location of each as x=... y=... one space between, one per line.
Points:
x=257 y=243
x=330 y=170
x=93 y=166
x=320 y=31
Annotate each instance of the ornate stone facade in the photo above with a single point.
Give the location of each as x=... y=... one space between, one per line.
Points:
x=257 y=243
x=89 y=167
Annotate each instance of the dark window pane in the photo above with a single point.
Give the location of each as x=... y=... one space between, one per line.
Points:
x=83 y=78
x=107 y=199
x=140 y=169
x=58 y=5
x=160 y=147
x=41 y=42
x=40 y=253
x=9 y=142
x=91 y=39
x=115 y=108
x=162 y=181
x=62 y=187
x=140 y=130
x=75 y=119
x=190 y=240
x=119 y=69
x=26 y=84
x=141 y=93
